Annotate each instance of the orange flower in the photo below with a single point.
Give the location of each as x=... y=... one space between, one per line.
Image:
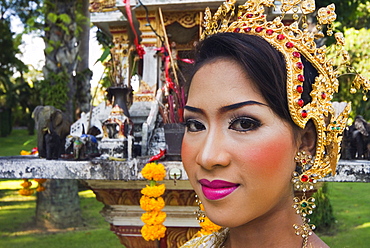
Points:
x=153 y=232
x=151 y=204
x=154 y=191
x=208 y=227
x=40 y=180
x=40 y=188
x=154 y=171
x=153 y=217
x=26 y=192
x=26 y=184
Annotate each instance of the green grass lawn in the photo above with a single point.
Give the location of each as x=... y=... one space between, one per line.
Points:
x=17 y=229
x=351 y=205
x=16 y=142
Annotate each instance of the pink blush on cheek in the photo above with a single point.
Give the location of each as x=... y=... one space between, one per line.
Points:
x=186 y=153
x=269 y=156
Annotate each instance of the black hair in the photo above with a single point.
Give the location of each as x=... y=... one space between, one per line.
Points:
x=264 y=64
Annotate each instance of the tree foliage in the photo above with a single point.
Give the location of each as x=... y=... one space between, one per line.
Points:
x=357 y=44
x=13 y=87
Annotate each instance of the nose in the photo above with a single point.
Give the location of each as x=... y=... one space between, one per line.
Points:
x=213 y=152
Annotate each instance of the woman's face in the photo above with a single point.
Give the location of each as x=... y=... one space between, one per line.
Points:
x=238 y=154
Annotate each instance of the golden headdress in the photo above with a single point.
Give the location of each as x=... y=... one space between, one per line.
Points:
x=293 y=41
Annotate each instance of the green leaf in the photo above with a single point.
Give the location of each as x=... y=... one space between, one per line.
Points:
x=64 y=28
x=49 y=49
x=105 y=54
x=52 y=17
x=65 y=18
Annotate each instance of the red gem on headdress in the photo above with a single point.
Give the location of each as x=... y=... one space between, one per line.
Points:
x=304 y=178
x=239 y=17
x=289 y=45
x=299 y=65
x=323 y=95
x=281 y=37
x=249 y=15
x=328 y=12
x=236 y=30
x=300 y=102
x=296 y=54
x=300 y=77
x=304 y=114
x=248 y=29
x=259 y=29
x=269 y=31
x=299 y=89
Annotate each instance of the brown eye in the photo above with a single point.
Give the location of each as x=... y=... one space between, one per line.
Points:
x=194 y=125
x=244 y=124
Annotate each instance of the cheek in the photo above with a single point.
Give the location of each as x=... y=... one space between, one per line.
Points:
x=271 y=156
x=187 y=154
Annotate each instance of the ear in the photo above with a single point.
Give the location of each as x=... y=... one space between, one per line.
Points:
x=308 y=138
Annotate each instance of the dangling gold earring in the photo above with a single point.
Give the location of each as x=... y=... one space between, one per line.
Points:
x=199 y=212
x=304 y=181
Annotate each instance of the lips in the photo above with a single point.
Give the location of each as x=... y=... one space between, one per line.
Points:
x=217 y=189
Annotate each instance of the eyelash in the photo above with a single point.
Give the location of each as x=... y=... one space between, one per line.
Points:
x=193 y=125
x=247 y=120
x=189 y=122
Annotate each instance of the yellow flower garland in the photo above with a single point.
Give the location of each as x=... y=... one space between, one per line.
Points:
x=153 y=203
x=154 y=171
x=154 y=191
x=26 y=187
x=26 y=191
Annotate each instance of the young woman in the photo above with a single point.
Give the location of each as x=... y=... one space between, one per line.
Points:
x=260 y=123
x=240 y=143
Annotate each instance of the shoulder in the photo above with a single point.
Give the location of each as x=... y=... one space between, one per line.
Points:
x=316 y=242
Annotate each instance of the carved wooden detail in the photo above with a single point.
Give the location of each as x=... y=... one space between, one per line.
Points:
x=102 y=5
x=187 y=19
x=175 y=237
x=132 y=197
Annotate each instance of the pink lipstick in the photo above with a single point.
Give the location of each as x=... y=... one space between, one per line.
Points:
x=217 y=189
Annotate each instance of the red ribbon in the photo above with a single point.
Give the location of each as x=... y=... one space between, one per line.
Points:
x=139 y=48
x=158 y=156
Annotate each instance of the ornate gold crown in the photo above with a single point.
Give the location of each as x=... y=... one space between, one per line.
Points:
x=293 y=41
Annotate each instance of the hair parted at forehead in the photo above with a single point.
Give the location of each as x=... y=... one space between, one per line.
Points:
x=264 y=65
x=296 y=61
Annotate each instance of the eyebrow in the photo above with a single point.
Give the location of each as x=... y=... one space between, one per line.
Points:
x=239 y=105
x=226 y=108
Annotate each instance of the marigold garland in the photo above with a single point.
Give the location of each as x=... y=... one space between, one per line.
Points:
x=26 y=187
x=153 y=217
x=154 y=191
x=153 y=232
x=26 y=191
x=154 y=172
x=153 y=203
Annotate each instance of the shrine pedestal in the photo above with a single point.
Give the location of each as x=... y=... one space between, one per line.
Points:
x=122 y=210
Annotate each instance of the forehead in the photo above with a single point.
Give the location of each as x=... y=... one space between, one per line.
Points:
x=223 y=78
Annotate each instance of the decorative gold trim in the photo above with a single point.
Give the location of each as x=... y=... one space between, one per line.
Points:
x=102 y=6
x=186 y=19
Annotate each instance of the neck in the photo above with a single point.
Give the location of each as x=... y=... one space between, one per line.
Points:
x=274 y=229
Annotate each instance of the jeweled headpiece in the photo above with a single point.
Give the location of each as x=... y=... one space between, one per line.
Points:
x=294 y=40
